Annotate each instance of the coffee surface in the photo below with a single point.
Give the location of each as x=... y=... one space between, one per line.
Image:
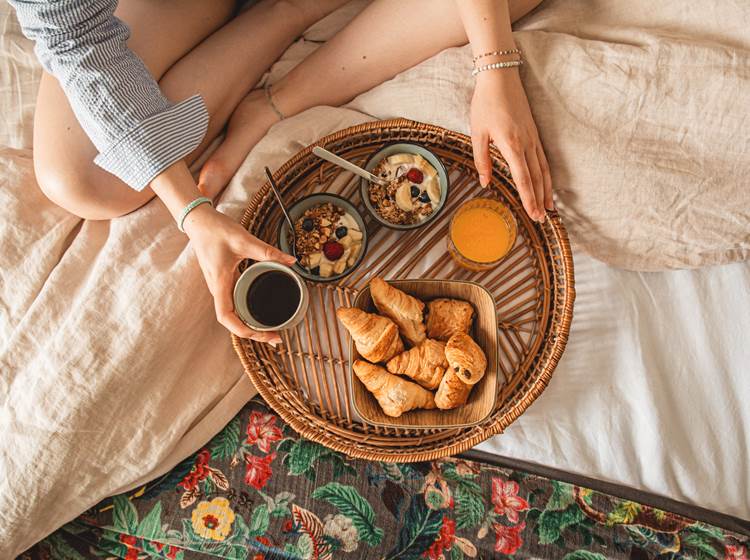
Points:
x=273 y=298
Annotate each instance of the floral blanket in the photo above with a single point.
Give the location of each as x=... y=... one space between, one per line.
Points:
x=258 y=491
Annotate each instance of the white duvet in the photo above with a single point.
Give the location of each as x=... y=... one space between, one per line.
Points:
x=112 y=368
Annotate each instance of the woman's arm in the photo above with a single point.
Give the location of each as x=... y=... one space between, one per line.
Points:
x=500 y=111
x=136 y=129
x=141 y=136
x=220 y=244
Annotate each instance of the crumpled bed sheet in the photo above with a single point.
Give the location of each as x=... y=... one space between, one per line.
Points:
x=112 y=367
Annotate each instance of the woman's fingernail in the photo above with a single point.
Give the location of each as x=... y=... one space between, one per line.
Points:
x=483 y=181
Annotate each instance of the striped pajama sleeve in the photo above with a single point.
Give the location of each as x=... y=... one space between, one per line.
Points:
x=137 y=131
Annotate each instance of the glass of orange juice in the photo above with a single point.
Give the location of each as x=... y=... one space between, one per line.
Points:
x=481 y=233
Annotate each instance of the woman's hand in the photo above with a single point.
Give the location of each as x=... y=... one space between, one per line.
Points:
x=500 y=114
x=220 y=245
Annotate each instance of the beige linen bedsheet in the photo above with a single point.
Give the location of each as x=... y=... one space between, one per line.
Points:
x=112 y=368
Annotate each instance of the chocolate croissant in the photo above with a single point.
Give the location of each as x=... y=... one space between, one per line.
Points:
x=375 y=337
x=465 y=358
x=404 y=310
x=394 y=394
x=446 y=317
x=425 y=363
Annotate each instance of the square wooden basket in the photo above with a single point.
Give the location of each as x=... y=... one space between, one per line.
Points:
x=482 y=398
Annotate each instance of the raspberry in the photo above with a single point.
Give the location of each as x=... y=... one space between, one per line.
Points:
x=333 y=250
x=415 y=176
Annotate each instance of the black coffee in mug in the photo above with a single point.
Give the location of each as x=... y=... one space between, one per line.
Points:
x=273 y=298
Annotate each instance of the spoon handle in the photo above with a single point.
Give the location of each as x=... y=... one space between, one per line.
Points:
x=276 y=192
x=349 y=166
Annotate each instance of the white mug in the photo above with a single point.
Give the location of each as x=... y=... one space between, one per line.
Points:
x=242 y=287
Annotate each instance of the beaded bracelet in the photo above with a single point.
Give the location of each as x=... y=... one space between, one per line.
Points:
x=496 y=53
x=189 y=208
x=496 y=65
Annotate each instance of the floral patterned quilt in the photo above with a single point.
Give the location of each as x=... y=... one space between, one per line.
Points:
x=257 y=491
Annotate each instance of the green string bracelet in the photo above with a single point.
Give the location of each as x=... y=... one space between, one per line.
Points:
x=189 y=208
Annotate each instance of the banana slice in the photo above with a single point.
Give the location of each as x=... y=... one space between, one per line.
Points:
x=340 y=265
x=403 y=198
x=356 y=247
x=398 y=159
x=348 y=221
x=425 y=166
x=433 y=189
x=326 y=269
x=314 y=259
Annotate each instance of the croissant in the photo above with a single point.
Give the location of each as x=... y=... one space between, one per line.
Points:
x=465 y=358
x=406 y=311
x=375 y=337
x=394 y=394
x=452 y=391
x=446 y=317
x=425 y=363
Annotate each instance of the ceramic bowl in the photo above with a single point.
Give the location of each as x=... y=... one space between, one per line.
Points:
x=298 y=208
x=405 y=148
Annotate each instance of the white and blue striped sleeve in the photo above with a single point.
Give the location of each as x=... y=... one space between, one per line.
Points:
x=137 y=131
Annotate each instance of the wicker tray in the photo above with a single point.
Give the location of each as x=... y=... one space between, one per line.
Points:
x=305 y=380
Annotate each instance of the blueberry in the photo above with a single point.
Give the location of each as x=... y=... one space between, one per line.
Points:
x=424 y=197
x=308 y=224
x=341 y=231
x=315 y=271
x=414 y=191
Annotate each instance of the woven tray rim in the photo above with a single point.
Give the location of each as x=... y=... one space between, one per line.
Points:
x=315 y=429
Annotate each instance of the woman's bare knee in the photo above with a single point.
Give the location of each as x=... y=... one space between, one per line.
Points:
x=88 y=198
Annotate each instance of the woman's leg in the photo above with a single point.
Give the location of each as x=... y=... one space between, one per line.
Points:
x=189 y=46
x=386 y=38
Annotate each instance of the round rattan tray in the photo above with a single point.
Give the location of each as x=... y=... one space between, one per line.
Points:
x=305 y=380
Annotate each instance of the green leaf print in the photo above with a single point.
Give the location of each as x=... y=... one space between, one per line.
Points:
x=150 y=525
x=469 y=506
x=124 y=516
x=225 y=444
x=456 y=553
x=302 y=456
x=706 y=531
x=259 y=521
x=420 y=527
x=355 y=507
x=552 y=523
x=699 y=543
x=584 y=555
x=562 y=496
x=61 y=550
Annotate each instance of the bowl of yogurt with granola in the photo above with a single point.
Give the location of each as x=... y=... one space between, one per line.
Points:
x=330 y=237
x=416 y=186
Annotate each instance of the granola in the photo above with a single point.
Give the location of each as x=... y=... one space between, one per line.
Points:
x=328 y=240
x=412 y=193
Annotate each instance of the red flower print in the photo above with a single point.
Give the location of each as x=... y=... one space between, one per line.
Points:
x=264 y=541
x=258 y=470
x=506 y=499
x=736 y=552
x=508 y=539
x=171 y=550
x=129 y=542
x=262 y=429
x=444 y=540
x=199 y=471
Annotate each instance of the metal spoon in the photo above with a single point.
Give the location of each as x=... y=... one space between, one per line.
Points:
x=276 y=192
x=349 y=166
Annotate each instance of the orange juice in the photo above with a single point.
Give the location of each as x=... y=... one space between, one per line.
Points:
x=482 y=231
